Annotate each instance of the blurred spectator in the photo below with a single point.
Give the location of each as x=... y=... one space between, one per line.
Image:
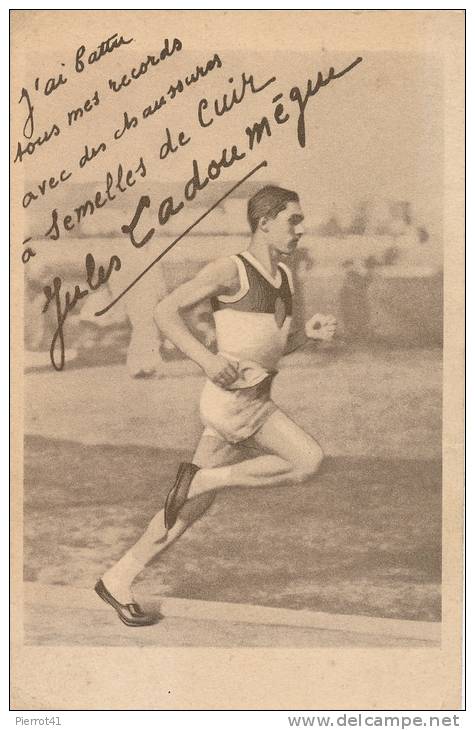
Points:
x=331 y=227
x=354 y=302
x=302 y=260
x=302 y=263
x=359 y=222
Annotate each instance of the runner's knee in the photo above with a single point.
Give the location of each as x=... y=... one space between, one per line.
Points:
x=309 y=464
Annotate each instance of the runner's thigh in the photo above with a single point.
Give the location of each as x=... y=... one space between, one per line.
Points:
x=211 y=452
x=281 y=436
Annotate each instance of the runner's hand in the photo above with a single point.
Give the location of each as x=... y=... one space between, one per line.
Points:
x=321 y=327
x=220 y=371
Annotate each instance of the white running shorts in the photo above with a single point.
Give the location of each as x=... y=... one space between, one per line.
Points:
x=236 y=415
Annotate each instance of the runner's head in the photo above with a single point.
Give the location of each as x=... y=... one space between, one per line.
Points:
x=276 y=216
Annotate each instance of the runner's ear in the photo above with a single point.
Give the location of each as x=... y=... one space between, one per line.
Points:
x=263 y=221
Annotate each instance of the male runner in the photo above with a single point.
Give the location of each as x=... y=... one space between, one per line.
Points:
x=251 y=297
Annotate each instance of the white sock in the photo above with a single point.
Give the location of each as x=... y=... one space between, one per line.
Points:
x=119 y=578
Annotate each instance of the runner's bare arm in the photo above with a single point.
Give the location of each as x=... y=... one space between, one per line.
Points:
x=218 y=277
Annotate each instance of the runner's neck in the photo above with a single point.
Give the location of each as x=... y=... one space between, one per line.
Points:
x=262 y=253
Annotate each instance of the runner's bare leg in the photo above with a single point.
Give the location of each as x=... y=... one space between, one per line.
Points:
x=156 y=538
x=293 y=457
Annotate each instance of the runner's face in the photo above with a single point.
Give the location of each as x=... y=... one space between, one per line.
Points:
x=286 y=229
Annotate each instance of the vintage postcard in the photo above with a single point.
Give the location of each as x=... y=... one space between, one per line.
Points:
x=237 y=262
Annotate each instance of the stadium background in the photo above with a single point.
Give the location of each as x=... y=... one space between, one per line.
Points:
x=103 y=437
x=103 y=440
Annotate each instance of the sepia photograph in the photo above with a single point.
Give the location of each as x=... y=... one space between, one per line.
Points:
x=237 y=251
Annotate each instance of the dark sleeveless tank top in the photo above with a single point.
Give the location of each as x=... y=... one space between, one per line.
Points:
x=261 y=296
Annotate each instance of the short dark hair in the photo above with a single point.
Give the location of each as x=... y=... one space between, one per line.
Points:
x=269 y=201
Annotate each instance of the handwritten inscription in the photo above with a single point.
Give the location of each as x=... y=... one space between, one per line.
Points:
x=64 y=305
x=119 y=182
x=45 y=185
x=312 y=89
x=210 y=112
x=140 y=70
x=30 y=147
x=107 y=46
x=51 y=85
x=255 y=134
x=230 y=99
x=88 y=106
x=131 y=121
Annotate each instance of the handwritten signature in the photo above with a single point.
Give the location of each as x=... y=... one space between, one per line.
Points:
x=64 y=306
x=233 y=154
x=208 y=114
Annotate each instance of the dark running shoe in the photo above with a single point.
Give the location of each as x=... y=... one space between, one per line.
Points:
x=178 y=494
x=131 y=614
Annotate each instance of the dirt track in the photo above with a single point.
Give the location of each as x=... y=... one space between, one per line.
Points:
x=60 y=615
x=365 y=538
x=378 y=403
